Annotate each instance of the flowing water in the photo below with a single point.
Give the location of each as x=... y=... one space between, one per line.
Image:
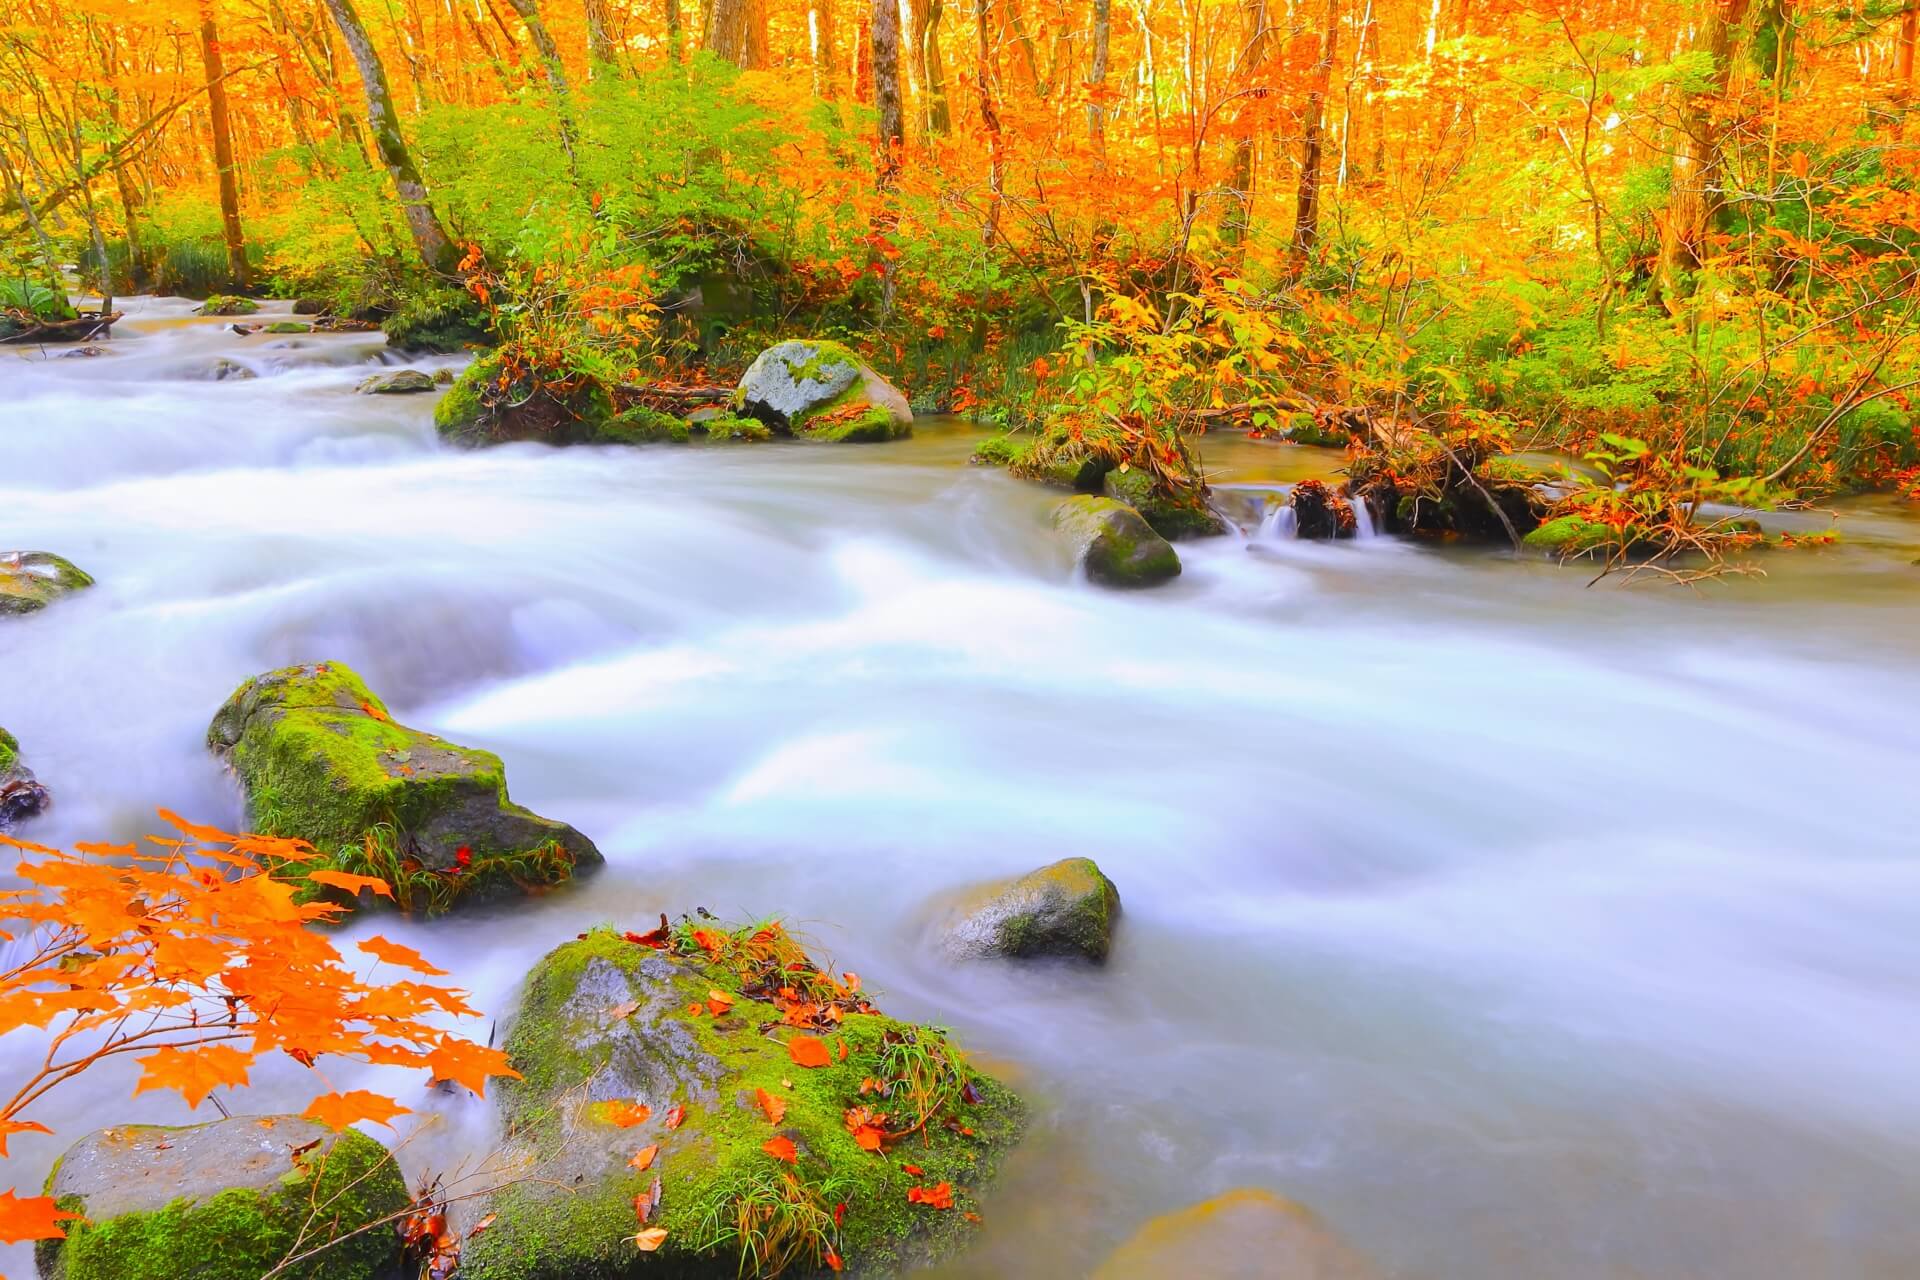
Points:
x=1520 y=929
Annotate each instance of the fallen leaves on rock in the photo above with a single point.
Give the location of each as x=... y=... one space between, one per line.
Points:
x=781 y=1148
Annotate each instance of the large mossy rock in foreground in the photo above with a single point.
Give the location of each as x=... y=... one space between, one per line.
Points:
x=1246 y=1234
x=320 y=759
x=487 y=405
x=1066 y=909
x=228 y=1200
x=32 y=580
x=711 y=1044
x=822 y=391
x=1115 y=544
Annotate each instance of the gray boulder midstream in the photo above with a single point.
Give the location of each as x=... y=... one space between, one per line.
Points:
x=821 y=390
x=1066 y=909
x=399 y=383
x=1115 y=544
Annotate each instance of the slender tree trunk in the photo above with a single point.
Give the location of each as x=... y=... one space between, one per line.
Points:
x=1240 y=215
x=1903 y=65
x=214 y=66
x=757 y=51
x=676 y=42
x=549 y=51
x=984 y=77
x=1696 y=159
x=726 y=35
x=1097 y=79
x=820 y=47
x=885 y=39
x=436 y=250
x=1306 y=217
x=928 y=72
x=863 y=61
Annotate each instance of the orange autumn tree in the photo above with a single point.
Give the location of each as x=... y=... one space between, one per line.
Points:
x=194 y=956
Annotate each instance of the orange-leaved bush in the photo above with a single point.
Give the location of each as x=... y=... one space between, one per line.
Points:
x=194 y=955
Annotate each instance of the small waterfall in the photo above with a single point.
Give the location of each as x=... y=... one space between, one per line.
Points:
x=1277 y=525
x=1362 y=518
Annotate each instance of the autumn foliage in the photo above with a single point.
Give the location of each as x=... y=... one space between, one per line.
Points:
x=188 y=955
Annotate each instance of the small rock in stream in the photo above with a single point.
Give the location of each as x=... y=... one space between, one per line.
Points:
x=1066 y=909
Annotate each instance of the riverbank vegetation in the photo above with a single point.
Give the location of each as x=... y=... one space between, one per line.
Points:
x=1689 y=224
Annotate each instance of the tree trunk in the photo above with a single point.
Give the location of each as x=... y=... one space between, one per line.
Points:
x=1240 y=216
x=216 y=73
x=602 y=55
x=436 y=250
x=676 y=42
x=726 y=35
x=1097 y=79
x=1306 y=217
x=820 y=46
x=886 y=89
x=543 y=43
x=929 y=73
x=984 y=69
x=1696 y=160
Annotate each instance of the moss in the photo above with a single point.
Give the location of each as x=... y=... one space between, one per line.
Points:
x=1304 y=428
x=9 y=753
x=226 y=304
x=642 y=425
x=1174 y=514
x=239 y=1233
x=823 y=358
x=478 y=411
x=728 y=426
x=31 y=580
x=1571 y=536
x=1006 y=450
x=461 y=414
x=1114 y=544
x=717 y=1064
x=438 y=321
x=289 y=326
x=850 y=418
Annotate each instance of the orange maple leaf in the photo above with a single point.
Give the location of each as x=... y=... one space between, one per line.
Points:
x=775 y=1108
x=934 y=1197
x=809 y=1052
x=643 y=1158
x=351 y=883
x=34 y=1218
x=193 y=1073
x=10 y=1127
x=406 y=957
x=781 y=1148
x=337 y=1111
x=627 y=1115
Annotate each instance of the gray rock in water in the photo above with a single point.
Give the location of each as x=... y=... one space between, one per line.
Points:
x=1173 y=515
x=321 y=759
x=228 y=1200
x=1066 y=909
x=400 y=383
x=224 y=370
x=1246 y=1234
x=1115 y=544
x=822 y=391
x=32 y=580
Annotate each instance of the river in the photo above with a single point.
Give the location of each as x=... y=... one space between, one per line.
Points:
x=1519 y=928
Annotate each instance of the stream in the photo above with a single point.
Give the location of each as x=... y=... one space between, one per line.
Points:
x=1518 y=928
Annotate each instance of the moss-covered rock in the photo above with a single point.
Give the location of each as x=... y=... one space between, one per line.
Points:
x=608 y=1024
x=228 y=1200
x=437 y=322
x=1066 y=909
x=1246 y=1234
x=1114 y=543
x=731 y=426
x=1570 y=536
x=1003 y=450
x=319 y=758
x=643 y=425
x=820 y=390
x=21 y=796
x=1305 y=428
x=1174 y=514
x=289 y=326
x=486 y=405
x=32 y=580
x=401 y=382
x=226 y=304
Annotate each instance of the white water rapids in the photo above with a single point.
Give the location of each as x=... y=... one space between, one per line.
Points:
x=1522 y=930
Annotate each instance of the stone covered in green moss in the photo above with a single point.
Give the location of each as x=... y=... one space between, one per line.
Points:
x=320 y=759
x=731 y=426
x=21 y=796
x=478 y=410
x=820 y=390
x=1003 y=450
x=401 y=382
x=32 y=580
x=1173 y=514
x=226 y=304
x=9 y=755
x=605 y=1023
x=1066 y=909
x=1114 y=543
x=642 y=425
x=224 y=1201
x=289 y=326
x=1570 y=536
x=1305 y=428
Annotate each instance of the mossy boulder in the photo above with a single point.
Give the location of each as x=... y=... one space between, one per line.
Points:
x=1003 y=450
x=487 y=405
x=401 y=382
x=21 y=796
x=1246 y=1234
x=609 y=1025
x=289 y=326
x=226 y=304
x=643 y=425
x=1571 y=535
x=820 y=390
x=436 y=322
x=1066 y=909
x=320 y=759
x=732 y=426
x=1173 y=513
x=228 y=1200
x=1305 y=428
x=32 y=580
x=1114 y=544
